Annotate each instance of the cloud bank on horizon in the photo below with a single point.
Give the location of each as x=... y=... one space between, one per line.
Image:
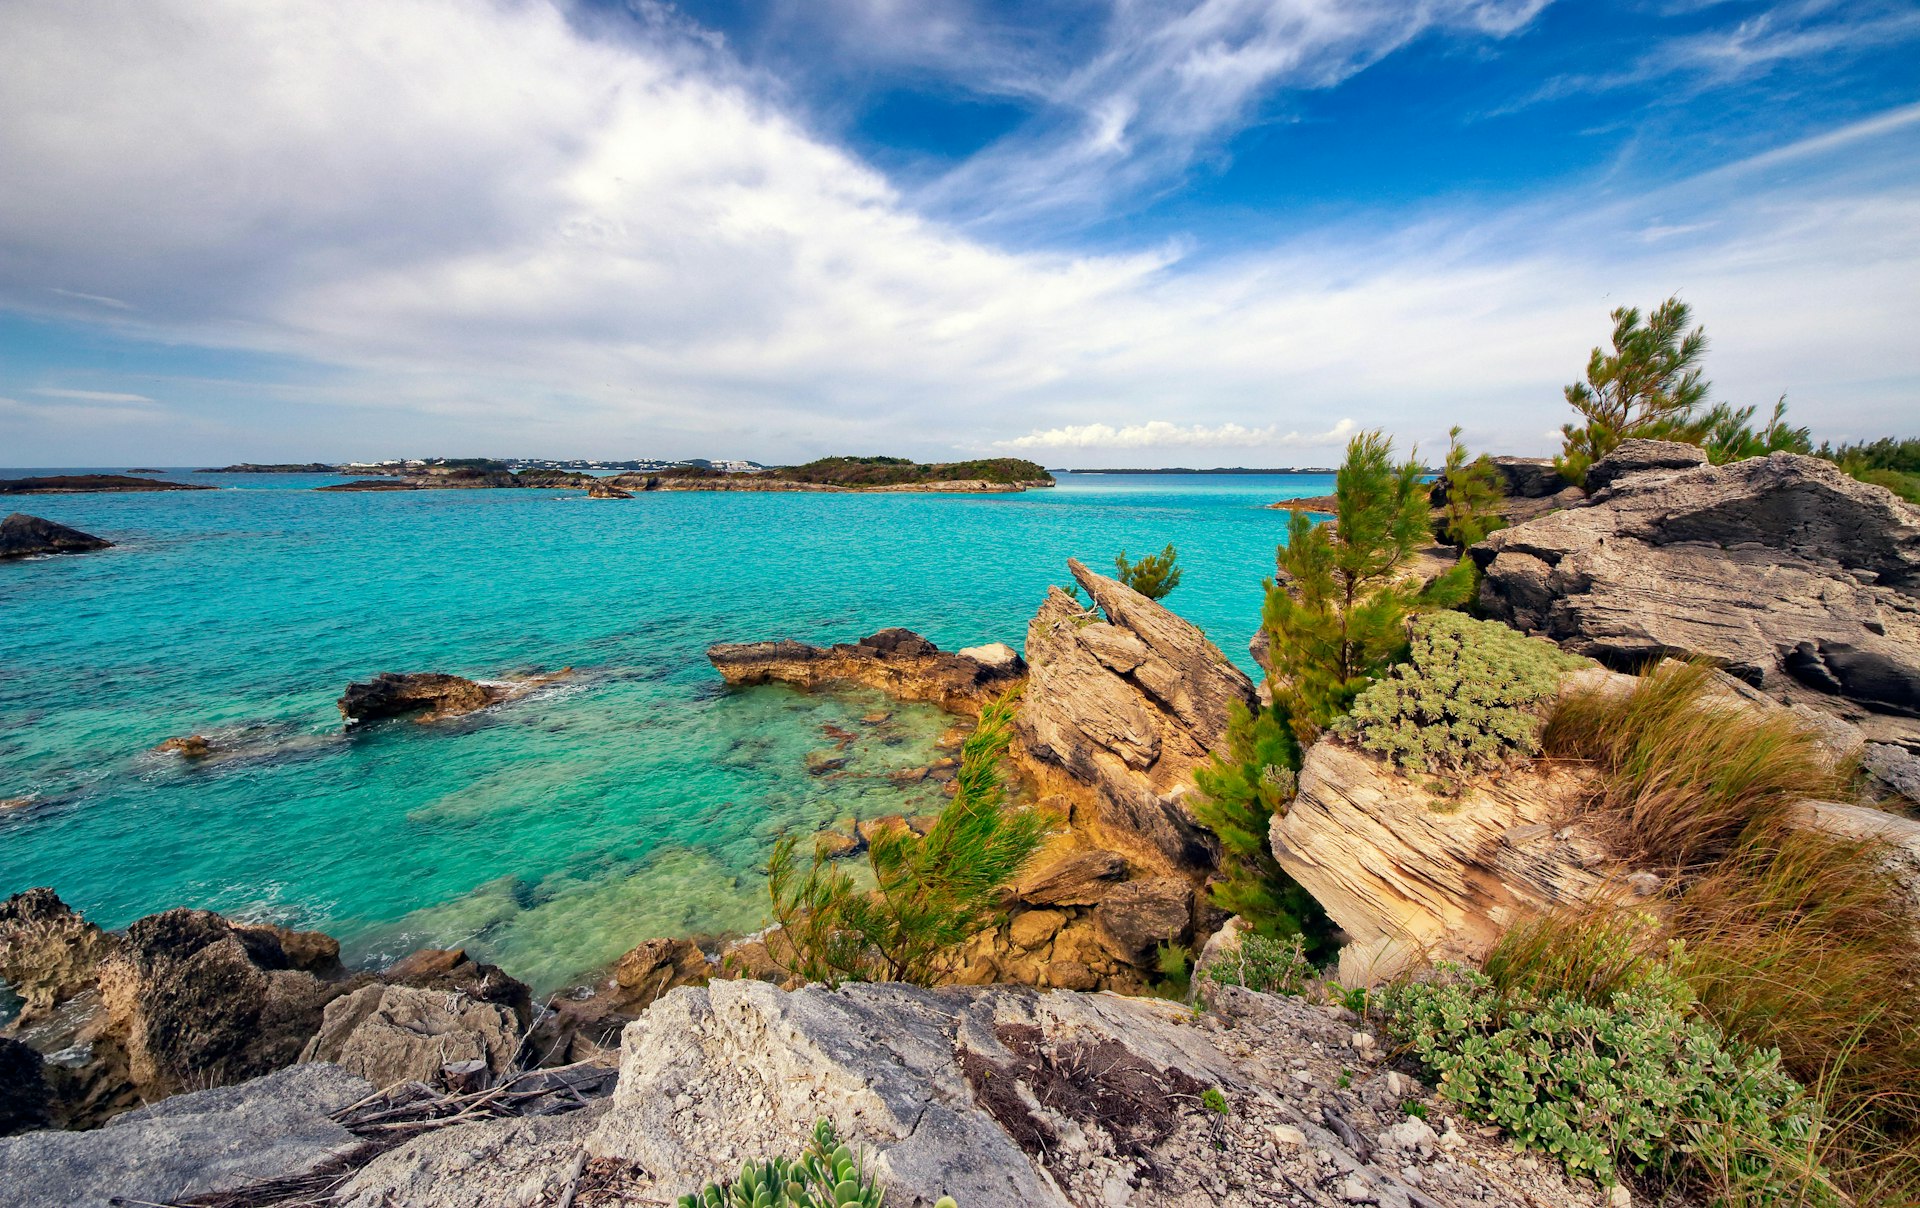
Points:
x=272 y=230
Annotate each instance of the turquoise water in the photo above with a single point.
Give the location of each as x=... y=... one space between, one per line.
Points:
x=550 y=834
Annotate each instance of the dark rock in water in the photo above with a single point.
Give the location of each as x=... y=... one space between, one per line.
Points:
x=193 y=746
x=247 y=467
x=431 y=693
x=1640 y=456
x=898 y=662
x=82 y=484
x=25 y=1097
x=1782 y=570
x=372 y=484
x=601 y=489
x=22 y=535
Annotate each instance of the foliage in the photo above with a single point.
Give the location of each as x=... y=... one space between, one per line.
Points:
x=825 y=1175
x=1893 y=464
x=1730 y=436
x=1264 y=964
x=1473 y=493
x=1336 y=608
x=1214 y=1100
x=1635 y=1083
x=896 y=471
x=1649 y=385
x=930 y=893
x=1153 y=576
x=1245 y=782
x=1174 y=963
x=1471 y=696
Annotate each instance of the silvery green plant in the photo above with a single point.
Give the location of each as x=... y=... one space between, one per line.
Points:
x=1472 y=696
x=1271 y=966
x=1637 y=1084
x=826 y=1175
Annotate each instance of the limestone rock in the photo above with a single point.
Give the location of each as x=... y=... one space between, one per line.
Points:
x=600 y=488
x=432 y=694
x=22 y=536
x=1529 y=477
x=1138 y=916
x=898 y=662
x=1080 y=879
x=1639 y=456
x=190 y=1145
x=1782 y=570
x=395 y=1034
x=1124 y=700
x=512 y=1163
x=48 y=953
x=1900 y=836
x=1408 y=878
x=1035 y=928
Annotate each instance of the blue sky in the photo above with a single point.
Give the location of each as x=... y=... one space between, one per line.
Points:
x=1220 y=233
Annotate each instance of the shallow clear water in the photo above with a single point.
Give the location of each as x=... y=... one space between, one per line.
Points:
x=552 y=833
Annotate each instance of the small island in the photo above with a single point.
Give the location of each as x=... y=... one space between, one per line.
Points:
x=828 y=474
x=85 y=484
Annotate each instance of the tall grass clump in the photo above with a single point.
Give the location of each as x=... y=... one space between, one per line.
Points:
x=930 y=894
x=1788 y=939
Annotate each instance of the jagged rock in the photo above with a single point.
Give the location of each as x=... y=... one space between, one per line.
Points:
x=1782 y=570
x=1123 y=701
x=1079 y=879
x=600 y=488
x=394 y=1034
x=1895 y=770
x=191 y=1145
x=1639 y=456
x=512 y=1163
x=1409 y=877
x=452 y=969
x=193 y=746
x=655 y=967
x=1529 y=477
x=996 y=655
x=898 y=662
x=48 y=953
x=432 y=694
x=1138 y=916
x=26 y=1100
x=22 y=536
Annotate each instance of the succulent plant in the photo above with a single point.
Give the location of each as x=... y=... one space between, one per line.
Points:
x=826 y=1175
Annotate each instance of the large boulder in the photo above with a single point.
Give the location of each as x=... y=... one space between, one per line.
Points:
x=196 y=1144
x=395 y=1034
x=22 y=535
x=1782 y=570
x=1410 y=877
x=48 y=953
x=1123 y=701
x=896 y=661
x=431 y=694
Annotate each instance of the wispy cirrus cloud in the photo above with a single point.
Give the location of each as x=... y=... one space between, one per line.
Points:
x=1160 y=434
x=94 y=396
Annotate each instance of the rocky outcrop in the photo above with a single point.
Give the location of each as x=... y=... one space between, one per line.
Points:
x=26 y=1101
x=196 y=1144
x=1412 y=878
x=1639 y=456
x=394 y=1034
x=600 y=488
x=898 y=662
x=1124 y=699
x=1782 y=570
x=585 y=1023
x=24 y=536
x=89 y=484
x=452 y=970
x=432 y=695
x=48 y=953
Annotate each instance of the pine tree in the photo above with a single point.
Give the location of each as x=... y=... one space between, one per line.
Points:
x=1650 y=385
x=1153 y=576
x=1473 y=493
x=1730 y=435
x=930 y=893
x=1336 y=609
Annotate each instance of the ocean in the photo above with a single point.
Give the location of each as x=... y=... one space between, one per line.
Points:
x=637 y=798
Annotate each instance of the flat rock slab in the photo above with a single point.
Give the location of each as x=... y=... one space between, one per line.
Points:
x=188 y=1145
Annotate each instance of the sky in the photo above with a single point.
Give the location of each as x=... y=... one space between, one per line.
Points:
x=1087 y=232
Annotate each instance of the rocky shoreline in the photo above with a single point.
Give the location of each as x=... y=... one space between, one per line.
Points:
x=91 y=484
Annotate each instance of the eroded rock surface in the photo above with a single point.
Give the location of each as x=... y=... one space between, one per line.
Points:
x=1123 y=701
x=394 y=1034
x=898 y=662
x=1782 y=570
x=23 y=536
x=432 y=695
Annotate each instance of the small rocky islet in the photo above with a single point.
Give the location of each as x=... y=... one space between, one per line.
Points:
x=24 y=536
x=661 y=1074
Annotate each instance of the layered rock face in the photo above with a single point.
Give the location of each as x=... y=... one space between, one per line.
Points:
x=898 y=662
x=1782 y=570
x=23 y=536
x=1125 y=699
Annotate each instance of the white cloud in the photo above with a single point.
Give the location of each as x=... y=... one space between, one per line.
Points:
x=1159 y=434
x=490 y=228
x=93 y=396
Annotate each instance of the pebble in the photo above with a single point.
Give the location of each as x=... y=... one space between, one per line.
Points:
x=1356 y=1191
x=1619 y=1197
x=1287 y=1134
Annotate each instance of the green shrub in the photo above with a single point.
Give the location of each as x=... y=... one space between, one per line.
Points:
x=930 y=893
x=1154 y=575
x=1636 y=1084
x=825 y=1175
x=1268 y=965
x=1474 y=490
x=1472 y=696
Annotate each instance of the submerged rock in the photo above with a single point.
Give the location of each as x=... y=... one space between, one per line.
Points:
x=599 y=488
x=1782 y=570
x=898 y=662
x=23 y=536
x=432 y=694
x=193 y=746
